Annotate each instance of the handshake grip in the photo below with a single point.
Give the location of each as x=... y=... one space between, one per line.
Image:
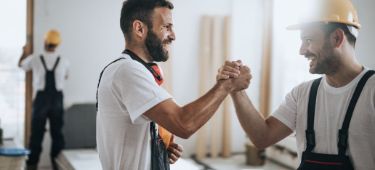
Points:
x=236 y=79
x=243 y=80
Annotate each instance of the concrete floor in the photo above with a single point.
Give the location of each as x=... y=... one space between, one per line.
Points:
x=238 y=162
x=81 y=160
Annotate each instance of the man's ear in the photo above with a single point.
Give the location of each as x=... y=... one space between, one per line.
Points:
x=337 y=37
x=139 y=29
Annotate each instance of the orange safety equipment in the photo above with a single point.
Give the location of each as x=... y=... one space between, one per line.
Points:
x=335 y=11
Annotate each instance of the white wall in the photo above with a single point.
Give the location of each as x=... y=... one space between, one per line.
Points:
x=91 y=37
x=246 y=45
x=365 y=43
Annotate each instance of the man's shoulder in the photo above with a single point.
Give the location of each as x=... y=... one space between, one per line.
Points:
x=128 y=65
x=370 y=86
x=125 y=66
x=34 y=56
x=306 y=85
x=301 y=90
x=371 y=81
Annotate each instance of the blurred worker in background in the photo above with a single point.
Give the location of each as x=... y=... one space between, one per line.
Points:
x=50 y=71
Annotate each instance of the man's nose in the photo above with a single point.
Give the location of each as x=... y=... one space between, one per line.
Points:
x=172 y=36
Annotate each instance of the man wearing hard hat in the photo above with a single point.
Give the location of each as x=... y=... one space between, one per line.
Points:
x=333 y=116
x=49 y=73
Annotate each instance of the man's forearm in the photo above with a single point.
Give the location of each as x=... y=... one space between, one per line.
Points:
x=186 y=120
x=197 y=113
x=251 y=120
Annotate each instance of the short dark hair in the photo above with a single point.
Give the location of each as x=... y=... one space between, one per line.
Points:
x=330 y=27
x=139 y=10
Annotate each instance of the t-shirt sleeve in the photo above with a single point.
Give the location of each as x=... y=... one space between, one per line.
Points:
x=287 y=111
x=26 y=64
x=138 y=90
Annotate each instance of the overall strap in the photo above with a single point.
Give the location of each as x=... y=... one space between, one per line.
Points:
x=56 y=63
x=100 y=78
x=310 y=133
x=343 y=132
x=43 y=62
x=147 y=65
x=154 y=135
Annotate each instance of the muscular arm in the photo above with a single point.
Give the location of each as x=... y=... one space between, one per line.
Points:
x=262 y=132
x=184 y=121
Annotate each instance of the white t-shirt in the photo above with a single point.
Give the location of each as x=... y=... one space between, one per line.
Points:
x=127 y=90
x=331 y=106
x=34 y=63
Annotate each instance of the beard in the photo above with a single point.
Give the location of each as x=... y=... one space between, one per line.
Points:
x=327 y=62
x=155 y=47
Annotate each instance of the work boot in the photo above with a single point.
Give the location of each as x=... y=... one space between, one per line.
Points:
x=32 y=167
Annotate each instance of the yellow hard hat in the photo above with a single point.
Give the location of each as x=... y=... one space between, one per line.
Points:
x=335 y=11
x=52 y=37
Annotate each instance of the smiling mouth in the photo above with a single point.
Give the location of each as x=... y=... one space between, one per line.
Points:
x=167 y=44
x=166 y=47
x=311 y=58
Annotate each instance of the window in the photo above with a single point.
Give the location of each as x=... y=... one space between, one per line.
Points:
x=12 y=89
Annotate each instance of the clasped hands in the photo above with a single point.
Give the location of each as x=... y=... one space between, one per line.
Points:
x=234 y=75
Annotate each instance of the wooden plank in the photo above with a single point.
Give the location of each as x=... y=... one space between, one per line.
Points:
x=218 y=58
x=205 y=52
x=226 y=133
x=216 y=62
x=265 y=90
x=28 y=79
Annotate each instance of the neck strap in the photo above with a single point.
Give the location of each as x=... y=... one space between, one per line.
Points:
x=150 y=66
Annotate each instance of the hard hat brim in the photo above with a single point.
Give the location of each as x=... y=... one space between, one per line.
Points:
x=303 y=25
